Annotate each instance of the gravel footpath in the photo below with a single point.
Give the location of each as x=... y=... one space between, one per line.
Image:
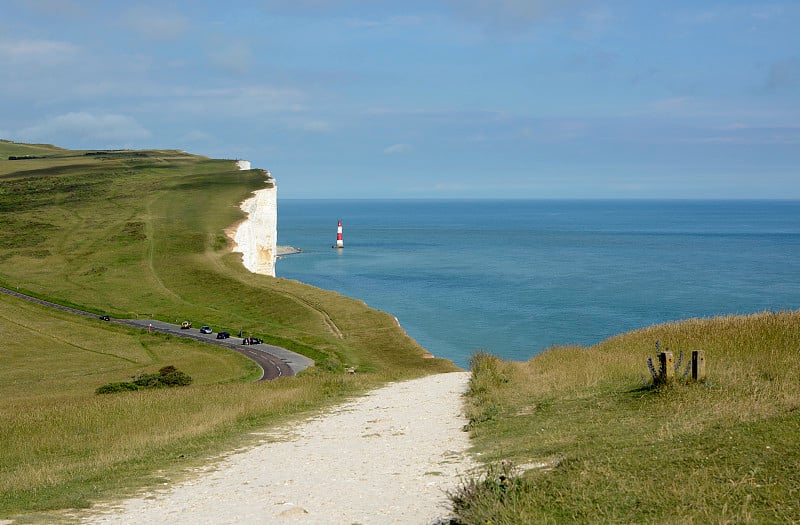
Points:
x=387 y=457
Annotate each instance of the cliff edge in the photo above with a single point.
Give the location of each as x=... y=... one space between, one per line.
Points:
x=256 y=237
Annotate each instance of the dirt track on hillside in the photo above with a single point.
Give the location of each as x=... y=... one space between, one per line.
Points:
x=388 y=457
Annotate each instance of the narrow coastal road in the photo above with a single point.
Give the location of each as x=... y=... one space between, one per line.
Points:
x=274 y=361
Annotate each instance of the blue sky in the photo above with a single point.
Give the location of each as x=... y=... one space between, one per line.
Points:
x=424 y=99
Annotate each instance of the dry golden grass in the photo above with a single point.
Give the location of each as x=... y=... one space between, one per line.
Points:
x=600 y=444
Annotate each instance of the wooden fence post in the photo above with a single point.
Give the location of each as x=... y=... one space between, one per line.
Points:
x=667 y=367
x=698 y=365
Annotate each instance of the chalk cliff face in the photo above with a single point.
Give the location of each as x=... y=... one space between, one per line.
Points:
x=256 y=237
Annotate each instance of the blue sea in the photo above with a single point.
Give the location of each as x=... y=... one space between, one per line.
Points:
x=516 y=277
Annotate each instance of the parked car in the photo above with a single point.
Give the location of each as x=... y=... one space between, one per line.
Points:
x=186 y=324
x=223 y=335
x=252 y=341
x=205 y=330
x=105 y=318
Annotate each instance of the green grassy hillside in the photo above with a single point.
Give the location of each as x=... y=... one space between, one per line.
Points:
x=594 y=442
x=17 y=149
x=575 y=435
x=143 y=234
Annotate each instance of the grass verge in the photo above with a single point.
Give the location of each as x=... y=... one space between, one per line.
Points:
x=580 y=435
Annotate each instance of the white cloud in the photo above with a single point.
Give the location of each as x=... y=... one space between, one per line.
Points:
x=395 y=149
x=749 y=136
x=87 y=128
x=734 y=126
x=557 y=130
x=700 y=16
x=784 y=75
x=668 y=105
x=361 y=23
x=233 y=57
x=196 y=136
x=453 y=186
x=594 y=22
x=237 y=101
x=43 y=51
x=154 y=23
x=509 y=15
x=767 y=12
x=56 y=8
x=320 y=7
x=303 y=123
x=317 y=126
x=399 y=21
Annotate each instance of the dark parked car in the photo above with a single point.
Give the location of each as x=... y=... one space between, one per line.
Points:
x=105 y=318
x=223 y=335
x=205 y=330
x=252 y=341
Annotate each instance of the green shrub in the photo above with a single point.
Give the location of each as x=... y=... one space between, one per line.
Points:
x=332 y=364
x=113 y=388
x=171 y=376
x=147 y=381
x=167 y=376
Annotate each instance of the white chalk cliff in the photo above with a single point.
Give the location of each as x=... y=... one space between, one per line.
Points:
x=256 y=237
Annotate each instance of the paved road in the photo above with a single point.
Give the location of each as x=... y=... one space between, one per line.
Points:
x=274 y=361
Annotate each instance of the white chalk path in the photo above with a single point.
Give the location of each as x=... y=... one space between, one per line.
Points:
x=388 y=457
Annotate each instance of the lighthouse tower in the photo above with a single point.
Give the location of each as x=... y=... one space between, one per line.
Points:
x=339 y=242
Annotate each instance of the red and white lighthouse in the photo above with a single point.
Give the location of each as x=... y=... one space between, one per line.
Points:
x=339 y=240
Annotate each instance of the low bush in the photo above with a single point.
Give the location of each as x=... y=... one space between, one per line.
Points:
x=167 y=376
x=113 y=388
x=171 y=376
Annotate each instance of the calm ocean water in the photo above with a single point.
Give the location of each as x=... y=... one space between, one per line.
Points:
x=515 y=277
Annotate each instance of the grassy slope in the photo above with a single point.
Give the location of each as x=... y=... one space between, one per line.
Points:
x=142 y=234
x=145 y=237
x=601 y=448
x=19 y=149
